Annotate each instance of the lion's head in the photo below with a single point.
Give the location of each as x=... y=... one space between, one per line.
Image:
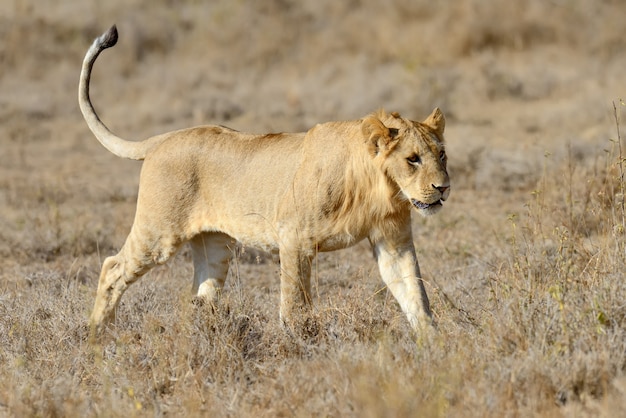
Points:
x=412 y=155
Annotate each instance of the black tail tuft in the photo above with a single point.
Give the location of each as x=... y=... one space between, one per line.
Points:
x=109 y=38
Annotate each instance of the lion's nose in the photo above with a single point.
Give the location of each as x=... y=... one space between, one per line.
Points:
x=441 y=189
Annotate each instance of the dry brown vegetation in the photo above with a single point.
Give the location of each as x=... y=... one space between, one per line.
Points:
x=524 y=266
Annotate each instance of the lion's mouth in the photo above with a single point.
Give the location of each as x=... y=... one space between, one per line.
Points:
x=422 y=205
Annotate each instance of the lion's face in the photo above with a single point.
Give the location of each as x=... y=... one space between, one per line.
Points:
x=412 y=155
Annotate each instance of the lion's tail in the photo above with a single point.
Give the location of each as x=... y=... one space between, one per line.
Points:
x=118 y=146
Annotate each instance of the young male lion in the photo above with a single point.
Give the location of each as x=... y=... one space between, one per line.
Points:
x=292 y=194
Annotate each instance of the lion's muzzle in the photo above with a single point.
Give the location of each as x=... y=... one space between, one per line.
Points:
x=424 y=206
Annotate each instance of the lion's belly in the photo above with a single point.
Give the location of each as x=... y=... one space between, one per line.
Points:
x=247 y=233
x=269 y=239
x=339 y=242
x=258 y=232
x=262 y=240
x=268 y=225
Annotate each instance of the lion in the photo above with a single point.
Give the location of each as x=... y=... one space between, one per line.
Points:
x=290 y=194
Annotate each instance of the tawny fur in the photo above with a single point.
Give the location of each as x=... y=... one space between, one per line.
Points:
x=292 y=194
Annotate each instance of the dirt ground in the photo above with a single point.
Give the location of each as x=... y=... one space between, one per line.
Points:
x=528 y=90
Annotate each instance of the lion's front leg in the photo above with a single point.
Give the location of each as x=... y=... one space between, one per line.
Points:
x=399 y=269
x=295 y=283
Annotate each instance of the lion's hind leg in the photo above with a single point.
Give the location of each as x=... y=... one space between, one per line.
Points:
x=211 y=252
x=111 y=286
x=139 y=253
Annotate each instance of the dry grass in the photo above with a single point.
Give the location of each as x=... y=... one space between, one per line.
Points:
x=524 y=267
x=541 y=332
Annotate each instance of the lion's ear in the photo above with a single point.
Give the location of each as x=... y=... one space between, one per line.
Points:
x=377 y=136
x=436 y=121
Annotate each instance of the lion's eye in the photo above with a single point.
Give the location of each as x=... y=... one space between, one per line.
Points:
x=414 y=159
x=442 y=156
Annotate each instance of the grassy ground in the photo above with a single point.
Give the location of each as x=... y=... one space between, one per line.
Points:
x=524 y=266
